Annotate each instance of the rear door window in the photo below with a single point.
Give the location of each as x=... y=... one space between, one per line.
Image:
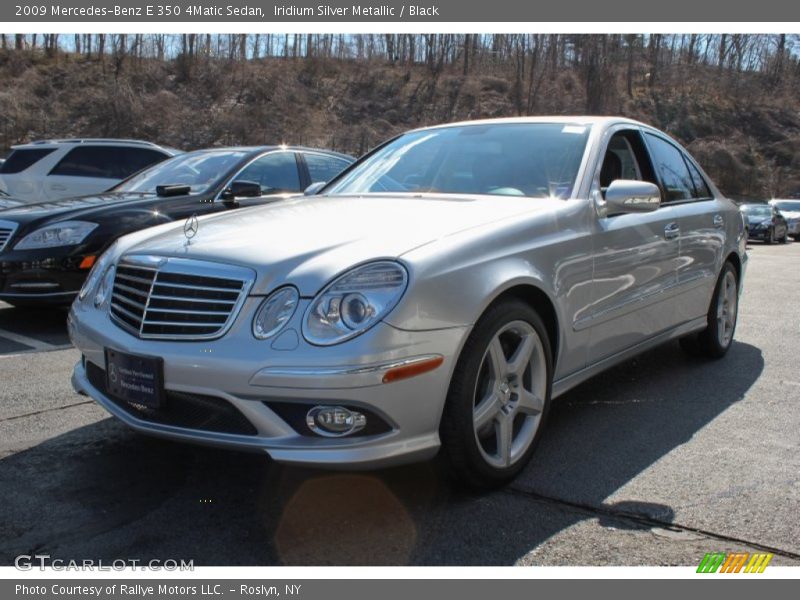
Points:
x=323 y=167
x=19 y=160
x=672 y=169
x=700 y=185
x=105 y=162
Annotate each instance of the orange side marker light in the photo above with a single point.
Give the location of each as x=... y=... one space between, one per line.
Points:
x=412 y=370
x=87 y=262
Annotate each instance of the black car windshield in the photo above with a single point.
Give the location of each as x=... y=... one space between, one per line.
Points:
x=199 y=170
x=539 y=160
x=790 y=205
x=758 y=210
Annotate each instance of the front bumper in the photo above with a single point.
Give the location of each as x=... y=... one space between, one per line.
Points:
x=38 y=278
x=256 y=379
x=758 y=234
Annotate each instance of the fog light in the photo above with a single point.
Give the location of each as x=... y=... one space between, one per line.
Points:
x=335 y=421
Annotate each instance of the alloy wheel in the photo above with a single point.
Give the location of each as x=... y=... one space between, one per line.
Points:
x=509 y=394
x=727 y=305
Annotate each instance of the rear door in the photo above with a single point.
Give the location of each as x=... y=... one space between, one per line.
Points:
x=635 y=257
x=702 y=221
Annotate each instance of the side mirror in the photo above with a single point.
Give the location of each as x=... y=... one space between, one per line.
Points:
x=629 y=196
x=314 y=188
x=241 y=189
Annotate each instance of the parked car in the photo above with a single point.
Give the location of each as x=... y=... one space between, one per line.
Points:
x=765 y=223
x=47 y=249
x=7 y=201
x=55 y=169
x=789 y=210
x=438 y=293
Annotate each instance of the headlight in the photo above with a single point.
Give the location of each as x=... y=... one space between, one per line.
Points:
x=275 y=312
x=67 y=233
x=104 y=289
x=354 y=302
x=97 y=272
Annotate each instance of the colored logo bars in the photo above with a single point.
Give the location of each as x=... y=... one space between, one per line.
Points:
x=720 y=562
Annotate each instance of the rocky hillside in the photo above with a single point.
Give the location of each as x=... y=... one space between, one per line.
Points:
x=743 y=126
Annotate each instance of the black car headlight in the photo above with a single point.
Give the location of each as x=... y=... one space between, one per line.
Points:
x=66 y=233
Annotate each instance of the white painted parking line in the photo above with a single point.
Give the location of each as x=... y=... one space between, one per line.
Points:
x=28 y=341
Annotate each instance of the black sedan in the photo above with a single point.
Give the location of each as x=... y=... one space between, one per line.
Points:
x=765 y=223
x=46 y=250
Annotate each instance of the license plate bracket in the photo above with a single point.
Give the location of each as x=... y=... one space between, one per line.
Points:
x=136 y=379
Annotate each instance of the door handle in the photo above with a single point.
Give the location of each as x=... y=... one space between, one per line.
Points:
x=58 y=187
x=672 y=231
x=719 y=222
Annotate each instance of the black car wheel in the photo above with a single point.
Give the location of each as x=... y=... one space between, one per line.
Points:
x=715 y=340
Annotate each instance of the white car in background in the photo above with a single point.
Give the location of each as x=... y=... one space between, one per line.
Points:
x=790 y=209
x=56 y=169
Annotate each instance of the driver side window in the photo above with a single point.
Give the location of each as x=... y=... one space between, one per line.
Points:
x=625 y=158
x=276 y=172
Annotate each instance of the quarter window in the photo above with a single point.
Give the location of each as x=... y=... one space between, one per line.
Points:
x=670 y=165
x=276 y=172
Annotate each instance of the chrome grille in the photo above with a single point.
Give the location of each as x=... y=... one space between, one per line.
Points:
x=175 y=298
x=7 y=229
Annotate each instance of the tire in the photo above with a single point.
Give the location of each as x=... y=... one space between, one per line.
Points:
x=514 y=396
x=716 y=339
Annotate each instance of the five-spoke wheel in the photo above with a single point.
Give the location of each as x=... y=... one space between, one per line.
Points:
x=499 y=394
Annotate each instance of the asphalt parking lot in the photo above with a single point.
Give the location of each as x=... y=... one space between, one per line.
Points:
x=655 y=462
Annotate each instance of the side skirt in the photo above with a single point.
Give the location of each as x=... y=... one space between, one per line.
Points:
x=567 y=383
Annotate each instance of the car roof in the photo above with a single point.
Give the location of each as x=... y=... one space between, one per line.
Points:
x=569 y=120
x=259 y=149
x=73 y=141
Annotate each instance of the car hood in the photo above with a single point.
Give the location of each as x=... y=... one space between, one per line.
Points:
x=83 y=207
x=791 y=214
x=307 y=241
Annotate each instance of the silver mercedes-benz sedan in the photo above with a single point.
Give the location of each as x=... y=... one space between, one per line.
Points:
x=438 y=294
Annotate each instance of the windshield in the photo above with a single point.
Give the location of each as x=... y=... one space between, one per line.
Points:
x=790 y=205
x=538 y=160
x=759 y=210
x=199 y=170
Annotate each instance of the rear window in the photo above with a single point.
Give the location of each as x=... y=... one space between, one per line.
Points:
x=323 y=167
x=106 y=162
x=19 y=160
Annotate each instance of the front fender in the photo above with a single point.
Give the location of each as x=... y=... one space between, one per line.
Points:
x=450 y=296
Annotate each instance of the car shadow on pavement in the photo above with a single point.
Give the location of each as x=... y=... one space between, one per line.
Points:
x=102 y=492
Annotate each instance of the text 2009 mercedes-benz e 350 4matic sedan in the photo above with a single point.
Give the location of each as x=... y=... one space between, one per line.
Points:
x=438 y=294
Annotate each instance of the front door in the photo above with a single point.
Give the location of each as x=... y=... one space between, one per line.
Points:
x=635 y=259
